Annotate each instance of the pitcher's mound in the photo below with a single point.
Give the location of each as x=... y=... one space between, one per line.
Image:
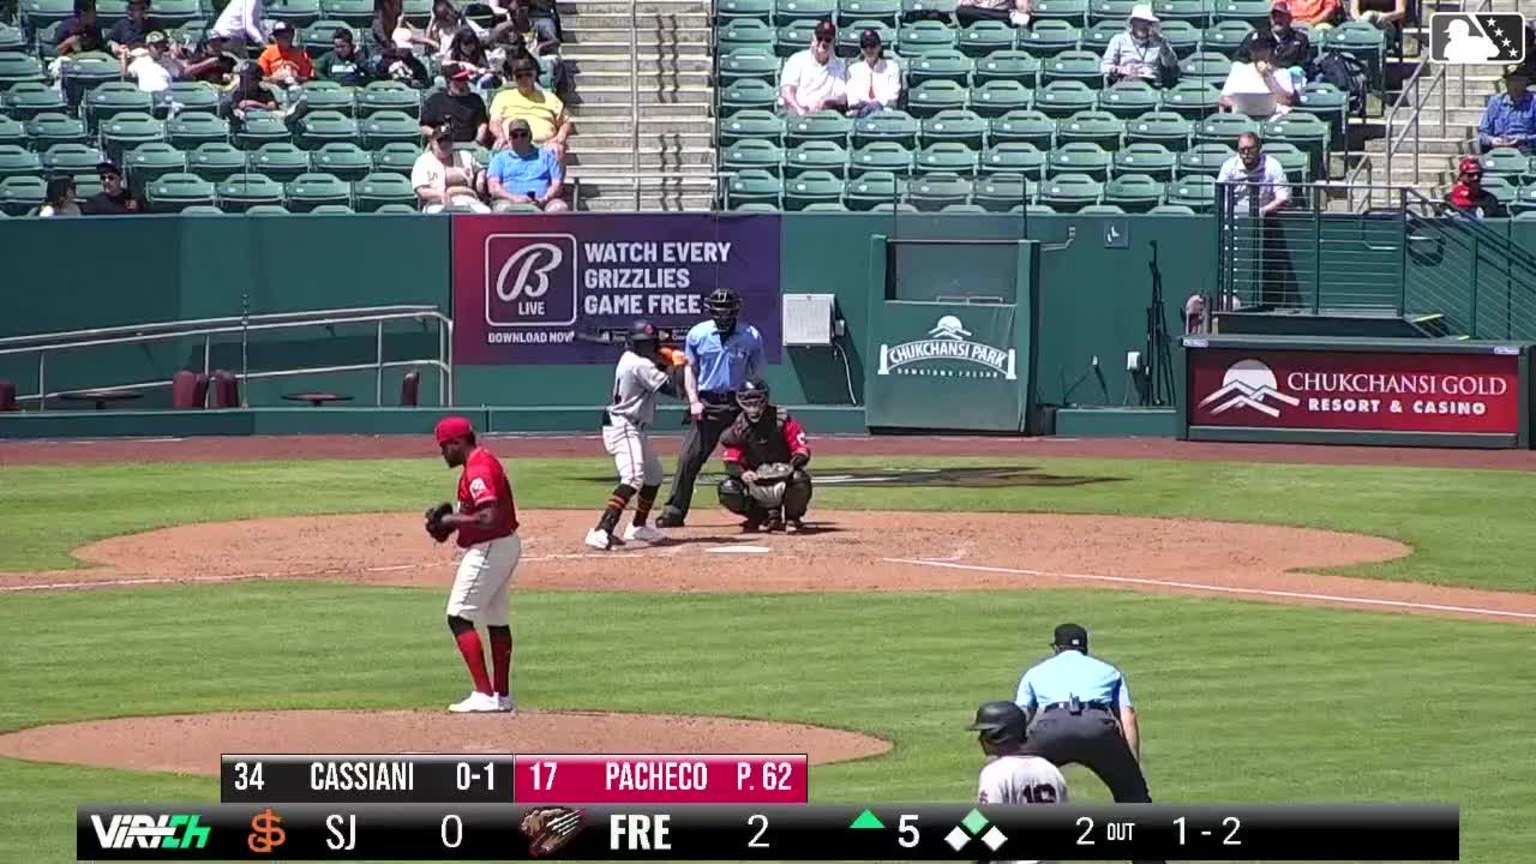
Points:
x=192 y=744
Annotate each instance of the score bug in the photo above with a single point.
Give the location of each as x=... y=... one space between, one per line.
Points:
x=769 y=776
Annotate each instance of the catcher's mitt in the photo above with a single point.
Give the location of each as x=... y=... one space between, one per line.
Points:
x=435 y=527
x=548 y=829
x=773 y=472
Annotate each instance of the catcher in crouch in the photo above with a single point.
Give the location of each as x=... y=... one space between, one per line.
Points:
x=765 y=457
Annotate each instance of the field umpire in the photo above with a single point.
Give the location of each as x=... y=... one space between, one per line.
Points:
x=722 y=356
x=1080 y=711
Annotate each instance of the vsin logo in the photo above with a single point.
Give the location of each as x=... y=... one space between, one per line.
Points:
x=530 y=280
x=1249 y=384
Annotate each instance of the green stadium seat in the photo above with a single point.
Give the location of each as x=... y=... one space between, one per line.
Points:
x=1134 y=193
x=1305 y=131
x=751 y=123
x=958 y=126
x=821 y=126
x=188 y=130
x=1196 y=12
x=1205 y=66
x=378 y=188
x=328 y=96
x=1094 y=127
x=1198 y=193
x=881 y=156
x=1502 y=188
x=793 y=37
x=148 y=162
x=264 y=210
x=1363 y=40
x=381 y=96
x=947 y=158
x=1072 y=65
x=849 y=32
x=1080 y=158
x=1254 y=12
x=125 y=131
x=1017 y=66
x=749 y=63
x=12 y=39
x=755 y=207
x=238 y=193
x=1293 y=160
x=21 y=195
x=727 y=11
x=828 y=156
x=49 y=128
x=174 y=192
x=20 y=69
x=1504 y=162
x=171 y=14
x=1014 y=157
x=1031 y=127
x=1224 y=129
x=870 y=189
x=744 y=33
x=931 y=193
x=112 y=98
x=1096 y=38
x=389 y=127
x=1172 y=210
x=920 y=37
x=1192 y=100
x=753 y=153
x=824 y=207
x=1523 y=206
x=920 y=8
x=1000 y=193
x=931 y=97
x=396 y=158
x=811 y=187
x=1183 y=37
x=87 y=186
x=31 y=98
x=887 y=12
x=1129 y=99
x=1074 y=12
x=1116 y=11
x=309 y=191
x=887 y=207
x=358 y=13
x=348 y=162
x=1329 y=104
x=754 y=186
x=36 y=14
x=331 y=209
x=940 y=65
x=1064 y=98
x=260 y=128
x=1160 y=127
x=1102 y=210
x=983 y=37
x=320 y=127
x=997 y=98
x=785 y=11
x=749 y=94
x=17 y=161
x=1146 y=158
x=1204 y=159
x=85 y=71
x=1225 y=37
x=280 y=160
x=888 y=125
x=316 y=38
x=1049 y=37
x=298 y=13
x=1068 y=193
x=396 y=208
x=963 y=208
x=217 y=161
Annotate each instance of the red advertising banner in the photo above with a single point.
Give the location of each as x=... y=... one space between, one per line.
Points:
x=1458 y=393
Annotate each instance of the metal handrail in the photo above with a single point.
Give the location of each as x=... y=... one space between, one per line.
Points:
x=207 y=328
x=634 y=90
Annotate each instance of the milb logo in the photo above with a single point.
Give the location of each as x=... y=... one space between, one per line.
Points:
x=1458 y=38
x=530 y=280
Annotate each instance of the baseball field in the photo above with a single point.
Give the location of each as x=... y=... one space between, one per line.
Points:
x=1298 y=625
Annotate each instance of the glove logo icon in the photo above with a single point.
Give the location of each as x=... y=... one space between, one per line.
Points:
x=549 y=829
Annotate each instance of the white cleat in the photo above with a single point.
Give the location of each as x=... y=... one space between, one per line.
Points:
x=599 y=539
x=504 y=704
x=644 y=533
x=477 y=703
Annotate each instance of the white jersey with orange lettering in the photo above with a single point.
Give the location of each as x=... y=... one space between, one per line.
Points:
x=1018 y=779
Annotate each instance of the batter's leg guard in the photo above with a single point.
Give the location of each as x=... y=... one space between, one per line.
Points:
x=644 y=502
x=733 y=497
x=616 y=504
x=797 y=495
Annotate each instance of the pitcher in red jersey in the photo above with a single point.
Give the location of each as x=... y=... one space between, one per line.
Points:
x=486 y=522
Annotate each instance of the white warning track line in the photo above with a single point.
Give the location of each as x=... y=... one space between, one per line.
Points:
x=1221 y=589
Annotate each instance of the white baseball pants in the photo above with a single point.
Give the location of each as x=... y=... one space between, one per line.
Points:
x=483 y=583
x=633 y=454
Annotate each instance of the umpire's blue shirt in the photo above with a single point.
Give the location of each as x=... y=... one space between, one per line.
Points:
x=722 y=366
x=1068 y=674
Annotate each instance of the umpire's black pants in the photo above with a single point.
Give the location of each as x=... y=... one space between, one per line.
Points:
x=699 y=442
x=1090 y=738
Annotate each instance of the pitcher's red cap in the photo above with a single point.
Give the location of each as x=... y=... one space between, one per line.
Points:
x=452 y=428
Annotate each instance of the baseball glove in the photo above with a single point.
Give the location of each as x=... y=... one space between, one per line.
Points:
x=773 y=472
x=435 y=527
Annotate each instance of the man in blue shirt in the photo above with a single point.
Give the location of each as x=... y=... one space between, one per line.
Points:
x=1080 y=711
x=1510 y=118
x=525 y=174
x=722 y=356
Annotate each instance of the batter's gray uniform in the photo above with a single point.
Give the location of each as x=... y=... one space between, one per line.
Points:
x=1018 y=779
x=627 y=426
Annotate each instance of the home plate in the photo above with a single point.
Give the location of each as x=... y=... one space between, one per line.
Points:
x=740 y=550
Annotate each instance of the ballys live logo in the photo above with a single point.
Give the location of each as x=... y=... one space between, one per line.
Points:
x=948 y=352
x=530 y=280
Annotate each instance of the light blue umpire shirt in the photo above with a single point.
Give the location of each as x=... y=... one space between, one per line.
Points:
x=724 y=367
x=1072 y=673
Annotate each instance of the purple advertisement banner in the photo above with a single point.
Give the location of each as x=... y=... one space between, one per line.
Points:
x=536 y=289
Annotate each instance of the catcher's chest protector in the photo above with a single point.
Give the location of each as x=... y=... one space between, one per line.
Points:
x=762 y=442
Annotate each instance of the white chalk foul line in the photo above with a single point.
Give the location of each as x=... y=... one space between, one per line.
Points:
x=1222 y=589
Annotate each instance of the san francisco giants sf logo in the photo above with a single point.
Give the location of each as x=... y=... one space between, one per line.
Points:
x=266 y=834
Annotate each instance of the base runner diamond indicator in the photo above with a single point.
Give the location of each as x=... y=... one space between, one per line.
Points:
x=994 y=838
x=974 y=822
x=956 y=838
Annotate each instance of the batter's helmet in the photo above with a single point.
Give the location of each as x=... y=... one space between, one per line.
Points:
x=723 y=304
x=640 y=333
x=1000 y=723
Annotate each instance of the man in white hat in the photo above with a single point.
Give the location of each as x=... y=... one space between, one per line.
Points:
x=1141 y=53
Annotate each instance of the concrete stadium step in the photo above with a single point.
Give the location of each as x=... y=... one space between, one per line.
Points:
x=655 y=123
x=1457 y=117
x=621 y=7
x=588 y=18
x=618 y=34
x=668 y=142
x=653 y=64
x=654 y=78
x=654 y=159
x=669 y=203
x=702 y=98
x=1427 y=145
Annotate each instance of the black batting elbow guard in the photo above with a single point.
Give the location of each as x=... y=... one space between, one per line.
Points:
x=799 y=460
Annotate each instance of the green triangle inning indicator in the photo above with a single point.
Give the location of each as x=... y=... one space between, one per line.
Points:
x=867 y=820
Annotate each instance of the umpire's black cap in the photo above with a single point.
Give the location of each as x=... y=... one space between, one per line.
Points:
x=1071 y=636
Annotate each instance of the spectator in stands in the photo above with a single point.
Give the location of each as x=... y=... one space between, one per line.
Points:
x=1384 y=14
x=1015 y=12
x=249 y=93
x=284 y=63
x=59 y=198
x=154 y=67
x=400 y=64
x=458 y=109
x=1317 y=14
x=442 y=27
x=1292 y=47
x=1253 y=169
x=212 y=62
x=541 y=16
x=80 y=32
x=388 y=16
x=815 y=79
x=1468 y=194
x=468 y=53
x=240 y=25
x=445 y=177
x=343 y=64
x=133 y=29
x=1140 y=53
x=544 y=111
x=114 y=199
x=1261 y=89
x=874 y=81
x=525 y=174
x=1510 y=118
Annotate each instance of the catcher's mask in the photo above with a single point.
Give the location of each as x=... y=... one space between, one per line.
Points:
x=1001 y=724
x=723 y=305
x=753 y=399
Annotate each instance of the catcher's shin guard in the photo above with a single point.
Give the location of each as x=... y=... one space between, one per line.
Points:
x=797 y=495
x=733 y=496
